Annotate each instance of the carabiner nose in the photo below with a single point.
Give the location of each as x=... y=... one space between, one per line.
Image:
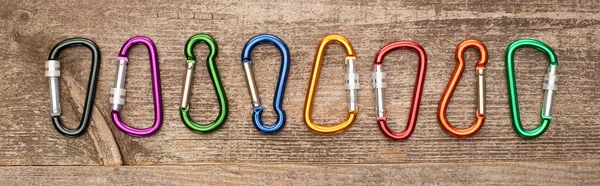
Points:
x=549 y=85
x=117 y=97
x=279 y=90
x=379 y=84
x=352 y=85
x=453 y=82
x=53 y=73
x=214 y=77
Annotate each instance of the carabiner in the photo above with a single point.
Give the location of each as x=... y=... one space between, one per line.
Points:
x=53 y=73
x=117 y=94
x=549 y=85
x=184 y=110
x=453 y=82
x=351 y=84
x=279 y=90
x=379 y=84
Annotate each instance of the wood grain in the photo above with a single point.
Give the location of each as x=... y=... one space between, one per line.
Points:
x=533 y=173
x=30 y=28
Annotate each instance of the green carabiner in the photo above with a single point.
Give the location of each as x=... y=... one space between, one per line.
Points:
x=549 y=86
x=214 y=77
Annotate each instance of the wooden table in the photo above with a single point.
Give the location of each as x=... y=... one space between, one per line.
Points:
x=31 y=151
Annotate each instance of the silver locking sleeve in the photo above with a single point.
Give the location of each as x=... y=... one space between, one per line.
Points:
x=117 y=94
x=352 y=84
x=187 y=85
x=53 y=73
x=249 y=76
x=550 y=86
x=379 y=84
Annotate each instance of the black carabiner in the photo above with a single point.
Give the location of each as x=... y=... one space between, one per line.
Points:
x=53 y=73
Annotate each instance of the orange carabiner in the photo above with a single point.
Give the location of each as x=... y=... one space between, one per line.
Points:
x=351 y=84
x=456 y=75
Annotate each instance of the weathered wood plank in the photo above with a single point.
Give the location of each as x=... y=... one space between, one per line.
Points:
x=27 y=138
x=100 y=134
x=533 y=173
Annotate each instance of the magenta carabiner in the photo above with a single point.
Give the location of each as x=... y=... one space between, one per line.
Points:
x=117 y=94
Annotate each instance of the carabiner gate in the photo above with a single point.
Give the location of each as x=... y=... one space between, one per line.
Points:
x=549 y=85
x=453 y=82
x=379 y=84
x=352 y=85
x=117 y=94
x=53 y=73
x=279 y=90
x=214 y=77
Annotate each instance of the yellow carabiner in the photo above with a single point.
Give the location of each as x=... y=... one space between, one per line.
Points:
x=351 y=84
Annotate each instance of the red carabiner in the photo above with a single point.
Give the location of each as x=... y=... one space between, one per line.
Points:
x=378 y=85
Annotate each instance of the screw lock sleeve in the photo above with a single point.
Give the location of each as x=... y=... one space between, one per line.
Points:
x=352 y=81
x=117 y=96
x=551 y=78
x=378 y=79
x=52 y=68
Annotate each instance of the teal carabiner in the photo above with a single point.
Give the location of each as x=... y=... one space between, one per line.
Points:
x=549 y=86
x=211 y=66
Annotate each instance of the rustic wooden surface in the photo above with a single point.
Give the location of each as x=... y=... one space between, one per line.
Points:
x=532 y=173
x=567 y=153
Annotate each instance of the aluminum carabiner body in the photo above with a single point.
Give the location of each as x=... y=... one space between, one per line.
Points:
x=117 y=94
x=352 y=85
x=53 y=73
x=213 y=72
x=281 y=81
x=453 y=82
x=549 y=85
x=379 y=84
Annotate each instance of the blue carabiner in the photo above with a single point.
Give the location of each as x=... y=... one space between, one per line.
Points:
x=280 y=89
